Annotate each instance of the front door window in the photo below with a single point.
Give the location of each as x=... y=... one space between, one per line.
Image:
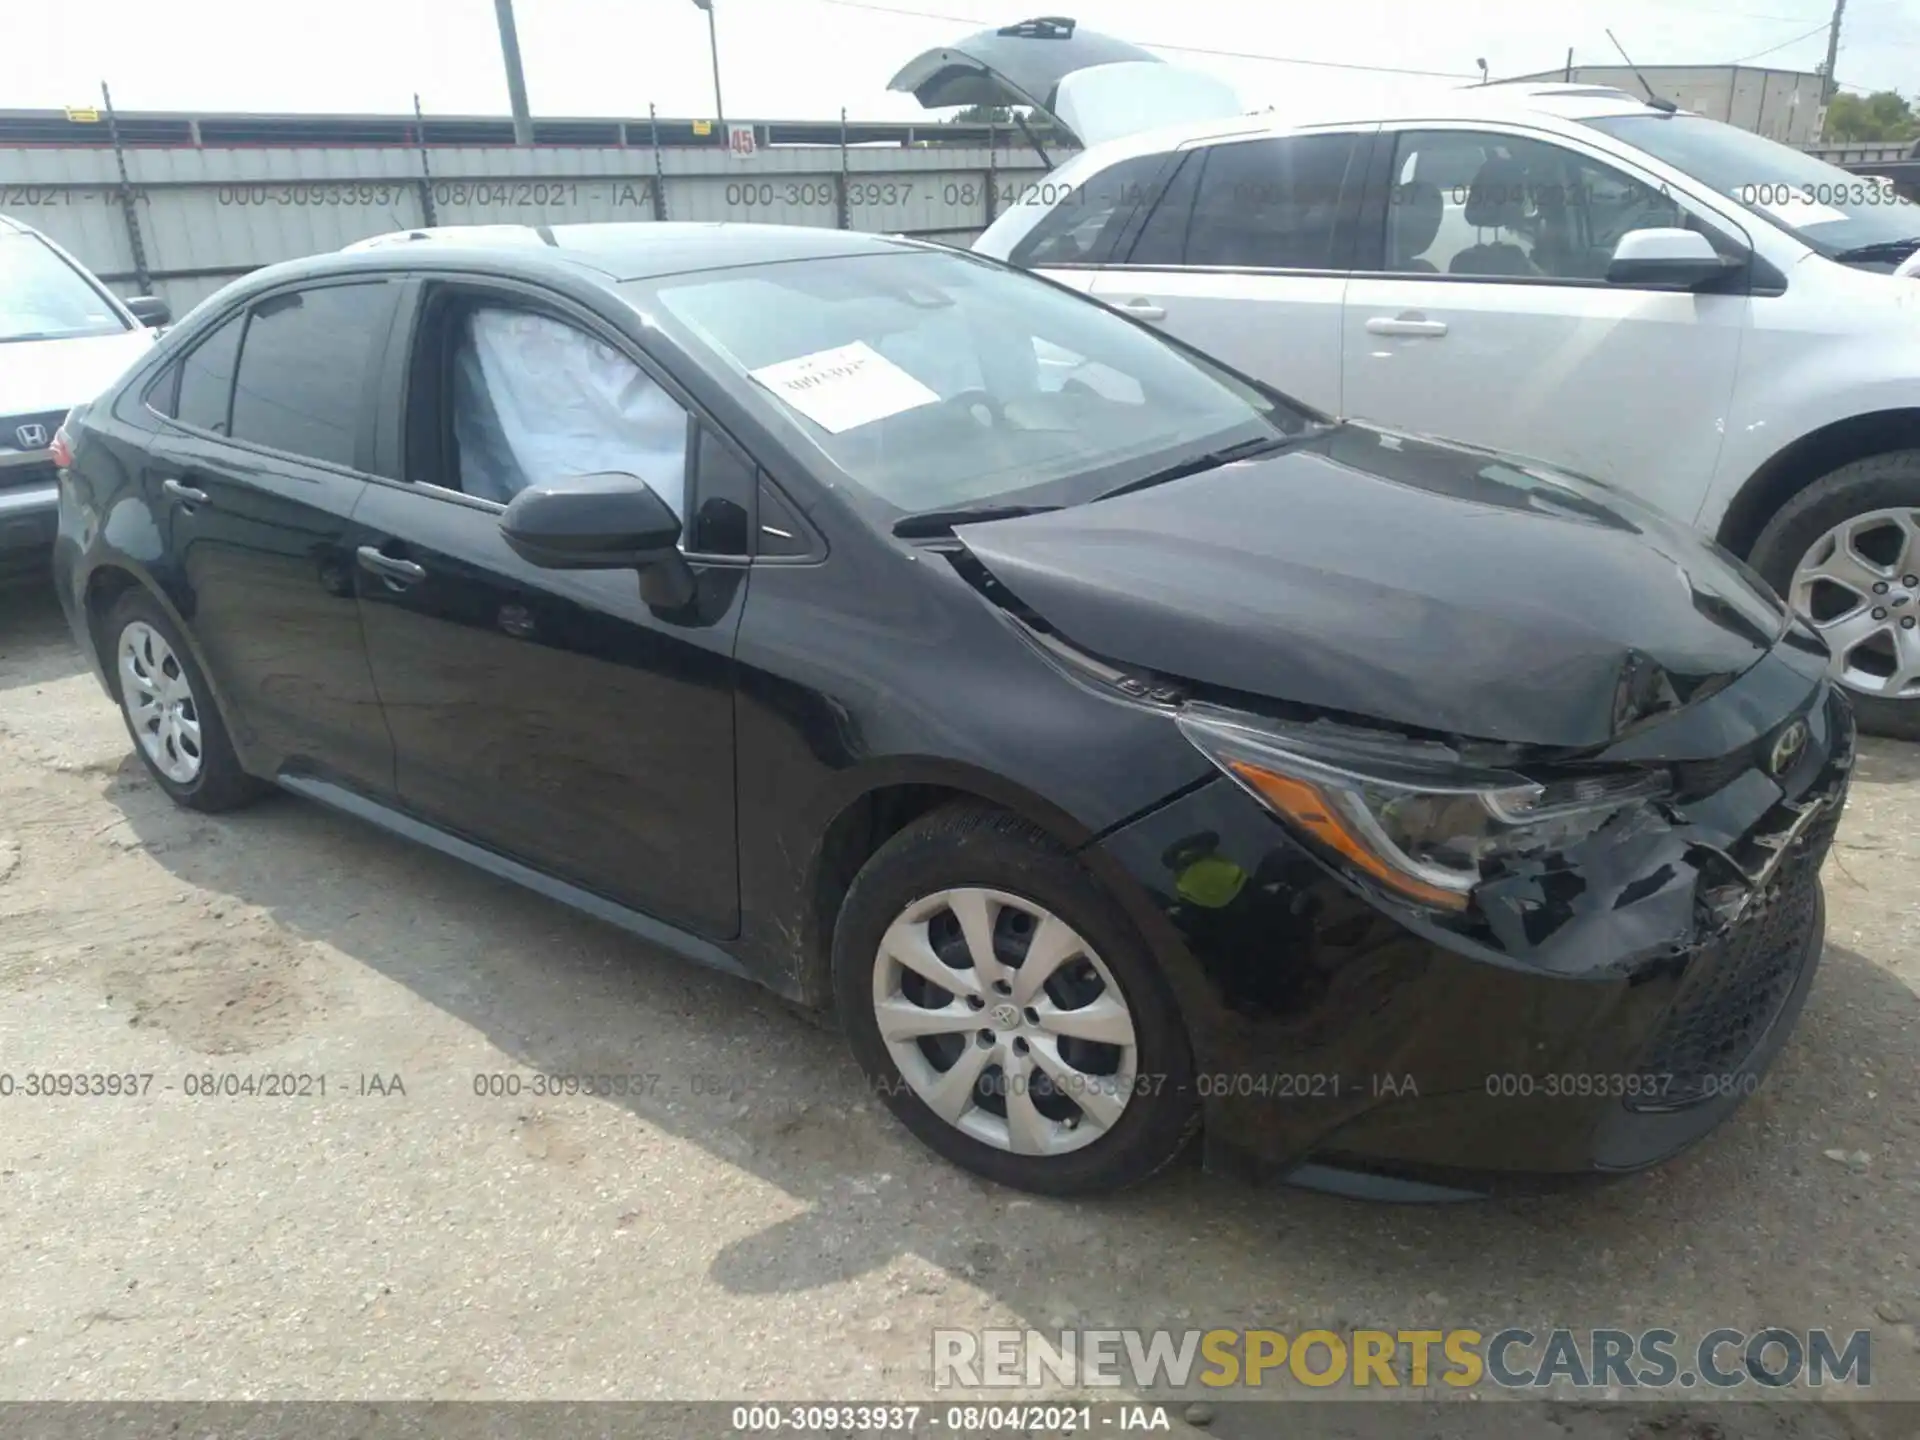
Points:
x=1504 y=206
x=536 y=400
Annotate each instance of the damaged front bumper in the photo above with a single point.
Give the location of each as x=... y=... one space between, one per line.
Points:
x=1597 y=1012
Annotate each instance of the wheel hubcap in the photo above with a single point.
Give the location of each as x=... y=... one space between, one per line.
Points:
x=159 y=703
x=1004 y=1021
x=1859 y=585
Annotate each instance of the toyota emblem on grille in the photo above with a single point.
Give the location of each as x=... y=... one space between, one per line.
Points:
x=31 y=437
x=1787 y=748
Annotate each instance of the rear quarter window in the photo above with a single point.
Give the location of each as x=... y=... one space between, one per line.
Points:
x=205 y=384
x=1086 y=217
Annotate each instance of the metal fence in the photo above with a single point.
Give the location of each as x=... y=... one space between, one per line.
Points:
x=179 y=205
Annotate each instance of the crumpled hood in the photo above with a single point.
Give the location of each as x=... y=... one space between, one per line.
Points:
x=1415 y=582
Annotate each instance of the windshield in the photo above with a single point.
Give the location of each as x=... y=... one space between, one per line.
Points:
x=1829 y=208
x=42 y=297
x=936 y=380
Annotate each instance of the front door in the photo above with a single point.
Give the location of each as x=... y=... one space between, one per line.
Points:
x=1246 y=256
x=256 y=474
x=550 y=715
x=1487 y=316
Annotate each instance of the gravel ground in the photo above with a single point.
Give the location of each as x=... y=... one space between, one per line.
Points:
x=754 y=1227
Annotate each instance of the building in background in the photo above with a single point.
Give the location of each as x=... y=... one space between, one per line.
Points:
x=1783 y=105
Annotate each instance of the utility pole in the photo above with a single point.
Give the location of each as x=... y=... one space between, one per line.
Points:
x=1827 y=85
x=713 y=48
x=516 y=81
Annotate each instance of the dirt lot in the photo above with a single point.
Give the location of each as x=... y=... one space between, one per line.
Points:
x=754 y=1226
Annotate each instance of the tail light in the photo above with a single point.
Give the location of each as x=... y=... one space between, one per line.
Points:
x=61 y=449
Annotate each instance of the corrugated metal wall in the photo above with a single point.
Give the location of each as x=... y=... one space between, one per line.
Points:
x=1783 y=105
x=207 y=215
x=1866 y=152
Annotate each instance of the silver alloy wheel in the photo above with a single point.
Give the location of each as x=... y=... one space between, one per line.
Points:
x=1859 y=585
x=1004 y=1021
x=159 y=702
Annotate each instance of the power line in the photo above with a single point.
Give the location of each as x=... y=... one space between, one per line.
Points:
x=1319 y=64
x=1750 y=15
x=1183 y=49
x=1819 y=29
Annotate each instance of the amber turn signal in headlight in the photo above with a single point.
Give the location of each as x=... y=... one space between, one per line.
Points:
x=1409 y=814
x=1312 y=812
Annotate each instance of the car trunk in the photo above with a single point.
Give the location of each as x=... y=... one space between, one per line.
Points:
x=1095 y=87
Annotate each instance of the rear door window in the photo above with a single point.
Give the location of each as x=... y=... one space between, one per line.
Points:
x=1276 y=204
x=303 y=369
x=1081 y=227
x=1163 y=239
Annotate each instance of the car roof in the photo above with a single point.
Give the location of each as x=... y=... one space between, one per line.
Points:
x=1347 y=101
x=630 y=250
x=11 y=226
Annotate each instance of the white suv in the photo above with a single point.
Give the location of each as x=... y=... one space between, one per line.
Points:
x=1687 y=310
x=63 y=337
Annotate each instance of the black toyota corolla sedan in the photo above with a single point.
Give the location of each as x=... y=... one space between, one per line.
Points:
x=1117 y=748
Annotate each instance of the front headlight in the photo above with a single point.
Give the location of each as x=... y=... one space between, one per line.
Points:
x=1410 y=814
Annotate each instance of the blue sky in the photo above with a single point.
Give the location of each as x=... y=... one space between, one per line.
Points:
x=808 y=58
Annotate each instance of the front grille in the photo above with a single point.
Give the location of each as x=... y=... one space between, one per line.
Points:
x=1738 y=983
x=1697 y=779
x=41 y=472
x=48 y=421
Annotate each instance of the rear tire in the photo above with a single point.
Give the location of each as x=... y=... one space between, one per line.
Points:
x=1868 y=511
x=1084 y=1082
x=169 y=710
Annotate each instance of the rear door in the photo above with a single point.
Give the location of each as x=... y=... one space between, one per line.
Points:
x=1481 y=311
x=551 y=715
x=1246 y=255
x=255 y=475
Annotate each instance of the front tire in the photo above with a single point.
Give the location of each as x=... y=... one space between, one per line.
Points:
x=169 y=711
x=1845 y=552
x=1008 y=1012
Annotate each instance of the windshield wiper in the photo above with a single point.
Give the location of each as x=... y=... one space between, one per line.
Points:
x=1213 y=459
x=1881 y=250
x=938 y=522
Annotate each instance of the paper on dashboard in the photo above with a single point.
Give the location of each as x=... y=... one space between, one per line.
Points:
x=845 y=387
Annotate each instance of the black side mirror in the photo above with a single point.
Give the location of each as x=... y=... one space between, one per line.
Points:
x=151 y=311
x=611 y=521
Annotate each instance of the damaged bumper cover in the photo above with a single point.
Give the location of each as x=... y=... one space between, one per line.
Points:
x=1598 y=1009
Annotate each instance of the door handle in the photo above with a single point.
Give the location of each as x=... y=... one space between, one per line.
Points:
x=403 y=572
x=1413 y=323
x=185 y=494
x=1143 y=309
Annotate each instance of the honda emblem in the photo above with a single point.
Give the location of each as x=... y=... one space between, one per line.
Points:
x=31 y=437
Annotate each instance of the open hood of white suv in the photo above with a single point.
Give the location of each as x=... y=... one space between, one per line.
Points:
x=1096 y=88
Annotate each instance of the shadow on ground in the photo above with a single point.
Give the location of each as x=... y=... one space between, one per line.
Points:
x=1736 y=1230
x=35 y=646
